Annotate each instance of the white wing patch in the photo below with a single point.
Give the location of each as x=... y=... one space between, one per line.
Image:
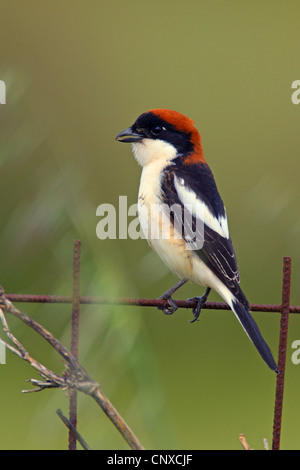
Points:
x=199 y=209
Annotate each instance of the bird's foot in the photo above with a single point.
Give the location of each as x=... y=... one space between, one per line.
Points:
x=200 y=302
x=171 y=308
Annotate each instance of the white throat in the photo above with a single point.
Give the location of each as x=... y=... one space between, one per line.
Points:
x=148 y=151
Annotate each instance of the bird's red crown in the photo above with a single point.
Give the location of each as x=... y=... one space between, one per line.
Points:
x=184 y=124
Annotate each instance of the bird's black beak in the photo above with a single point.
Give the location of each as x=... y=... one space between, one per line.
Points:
x=129 y=136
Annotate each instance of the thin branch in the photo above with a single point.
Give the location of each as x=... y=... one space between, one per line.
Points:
x=73 y=430
x=244 y=442
x=246 y=446
x=21 y=352
x=266 y=444
x=74 y=378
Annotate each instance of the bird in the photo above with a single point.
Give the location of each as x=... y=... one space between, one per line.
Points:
x=177 y=185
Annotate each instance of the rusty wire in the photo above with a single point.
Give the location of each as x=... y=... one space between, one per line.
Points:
x=142 y=302
x=284 y=321
x=284 y=309
x=74 y=339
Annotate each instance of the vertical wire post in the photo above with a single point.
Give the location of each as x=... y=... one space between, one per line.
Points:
x=284 y=320
x=74 y=336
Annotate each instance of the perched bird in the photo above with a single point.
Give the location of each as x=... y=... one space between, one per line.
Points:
x=176 y=176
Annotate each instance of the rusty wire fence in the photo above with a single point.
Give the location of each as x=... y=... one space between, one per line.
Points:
x=285 y=309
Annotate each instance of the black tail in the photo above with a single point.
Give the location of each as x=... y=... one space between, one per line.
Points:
x=254 y=334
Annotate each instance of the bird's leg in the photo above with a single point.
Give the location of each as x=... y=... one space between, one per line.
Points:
x=200 y=302
x=168 y=297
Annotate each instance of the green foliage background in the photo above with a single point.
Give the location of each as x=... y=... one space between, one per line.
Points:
x=77 y=73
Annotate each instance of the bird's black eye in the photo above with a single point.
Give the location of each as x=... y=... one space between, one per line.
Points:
x=157 y=130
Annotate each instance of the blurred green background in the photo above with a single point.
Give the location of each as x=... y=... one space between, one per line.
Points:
x=77 y=73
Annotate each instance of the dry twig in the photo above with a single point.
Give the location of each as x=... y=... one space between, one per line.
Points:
x=244 y=442
x=73 y=430
x=246 y=446
x=75 y=376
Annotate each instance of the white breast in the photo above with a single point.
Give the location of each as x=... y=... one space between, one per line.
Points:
x=156 y=224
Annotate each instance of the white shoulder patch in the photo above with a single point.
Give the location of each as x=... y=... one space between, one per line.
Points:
x=199 y=209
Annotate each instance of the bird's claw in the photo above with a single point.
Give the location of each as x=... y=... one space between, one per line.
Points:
x=171 y=308
x=197 y=309
x=200 y=302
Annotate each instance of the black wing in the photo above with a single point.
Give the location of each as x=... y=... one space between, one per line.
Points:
x=216 y=251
